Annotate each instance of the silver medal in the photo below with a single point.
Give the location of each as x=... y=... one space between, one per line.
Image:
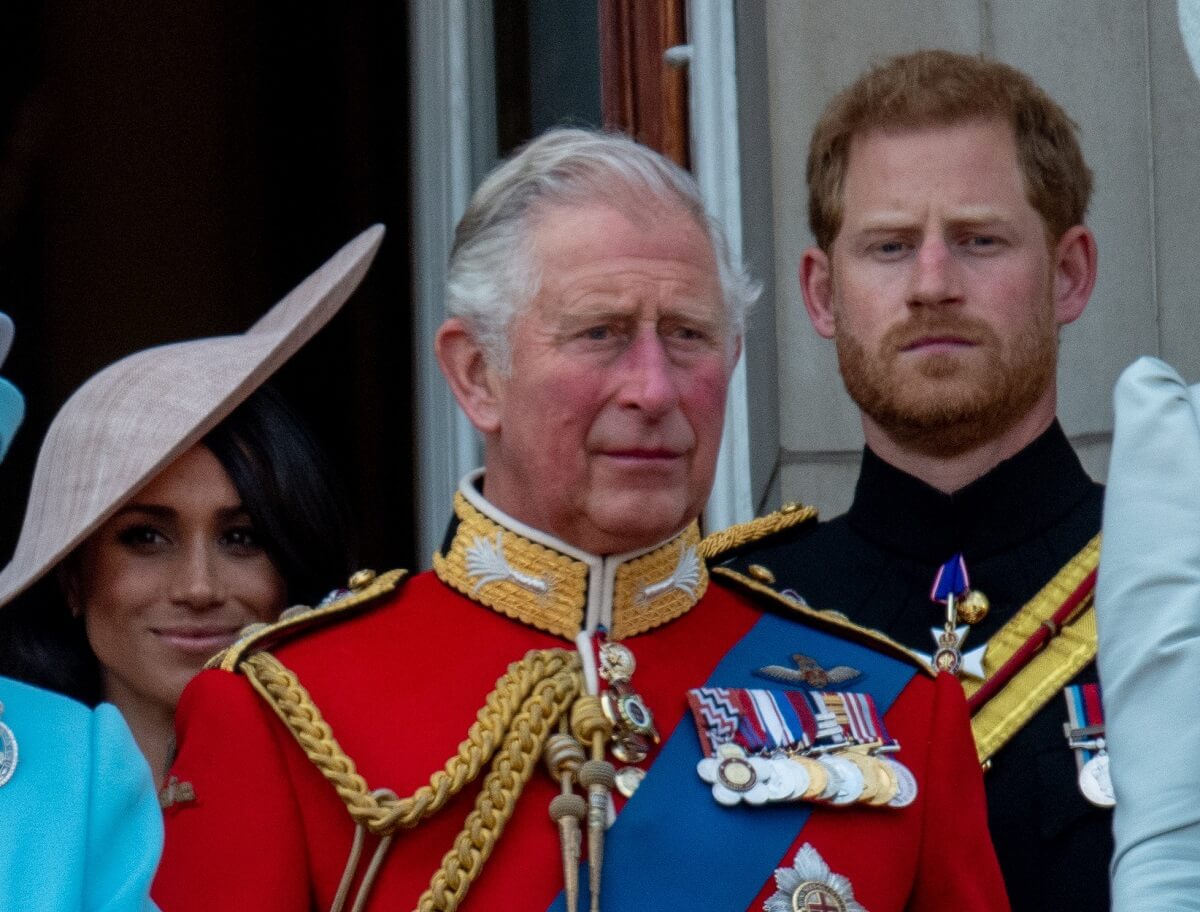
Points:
x=628 y=780
x=735 y=776
x=906 y=792
x=789 y=780
x=850 y=780
x=1096 y=783
x=834 y=785
x=782 y=784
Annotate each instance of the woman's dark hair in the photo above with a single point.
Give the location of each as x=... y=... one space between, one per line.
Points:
x=288 y=487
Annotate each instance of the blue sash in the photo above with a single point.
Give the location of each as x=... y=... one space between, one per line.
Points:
x=673 y=846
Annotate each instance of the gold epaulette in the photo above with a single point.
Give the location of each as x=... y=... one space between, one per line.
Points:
x=365 y=588
x=790 y=515
x=829 y=621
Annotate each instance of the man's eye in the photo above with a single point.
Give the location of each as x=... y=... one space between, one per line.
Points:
x=982 y=241
x=598 y=333
x=689 y=334
x=890 y=250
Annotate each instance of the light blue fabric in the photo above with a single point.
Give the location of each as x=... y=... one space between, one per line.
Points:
x=12 y=403
x=1148 y=611
x=12 y=410
x=80 y=827
x=1189 y=28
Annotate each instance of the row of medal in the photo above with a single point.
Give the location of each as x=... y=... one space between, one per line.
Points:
x=765 y=747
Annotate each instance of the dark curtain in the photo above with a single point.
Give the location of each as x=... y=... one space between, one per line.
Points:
x=170 y=171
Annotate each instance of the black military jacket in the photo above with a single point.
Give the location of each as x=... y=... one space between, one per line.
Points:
x=1016 y=527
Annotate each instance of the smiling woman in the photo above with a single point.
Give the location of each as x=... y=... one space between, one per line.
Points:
x=167 y=535
x=170 y=580
x=175 y=573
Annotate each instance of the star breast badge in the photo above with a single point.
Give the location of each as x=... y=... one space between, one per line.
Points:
x=809 y=886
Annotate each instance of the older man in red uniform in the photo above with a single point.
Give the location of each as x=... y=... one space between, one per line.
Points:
x=363 y=754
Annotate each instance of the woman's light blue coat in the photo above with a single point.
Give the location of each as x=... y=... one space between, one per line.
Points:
x=80 y=827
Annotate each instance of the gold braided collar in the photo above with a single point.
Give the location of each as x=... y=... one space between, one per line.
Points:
x=541 y=581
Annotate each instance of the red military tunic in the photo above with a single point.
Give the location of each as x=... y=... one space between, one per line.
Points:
x=401 y=680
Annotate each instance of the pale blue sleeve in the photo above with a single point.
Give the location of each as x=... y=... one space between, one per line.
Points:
x=1148 y=611
x=125 y=829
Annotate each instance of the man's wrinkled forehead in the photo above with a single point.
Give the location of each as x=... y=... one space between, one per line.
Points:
x=644 y=208
x=589 y=239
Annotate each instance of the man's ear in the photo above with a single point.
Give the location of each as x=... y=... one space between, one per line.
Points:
x=477 y=387
x=1074 y=273
x=817 y=288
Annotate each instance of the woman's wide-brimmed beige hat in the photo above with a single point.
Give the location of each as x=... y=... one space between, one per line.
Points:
x=135 y=417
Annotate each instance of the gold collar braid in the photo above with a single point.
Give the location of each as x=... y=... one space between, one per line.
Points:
x=555 y=588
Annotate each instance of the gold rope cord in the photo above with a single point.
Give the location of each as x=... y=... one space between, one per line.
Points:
x=520 y=712
x=513 y=766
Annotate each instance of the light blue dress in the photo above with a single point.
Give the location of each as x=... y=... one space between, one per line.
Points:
x=1148 y=612
x=80 y=827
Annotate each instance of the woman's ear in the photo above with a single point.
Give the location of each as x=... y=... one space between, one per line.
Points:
x=477 y=386
x=70 y=584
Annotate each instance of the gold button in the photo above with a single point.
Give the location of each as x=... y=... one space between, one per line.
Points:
x=761 y=573
x=790 y=507
x=362 y=579
x=974 y=607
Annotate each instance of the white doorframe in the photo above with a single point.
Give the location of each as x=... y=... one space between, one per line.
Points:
x=716 y=163
x=454 y=145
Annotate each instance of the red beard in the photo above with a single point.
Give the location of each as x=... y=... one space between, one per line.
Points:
x=944 y=404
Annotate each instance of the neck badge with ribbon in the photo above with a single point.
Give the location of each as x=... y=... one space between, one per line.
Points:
x=952 y=588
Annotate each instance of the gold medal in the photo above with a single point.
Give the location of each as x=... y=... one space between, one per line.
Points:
x=870 y=774
x=818 y=778
x=633 y=731
x=888 y=787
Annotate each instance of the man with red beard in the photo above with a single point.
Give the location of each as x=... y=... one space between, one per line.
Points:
x=947 y=195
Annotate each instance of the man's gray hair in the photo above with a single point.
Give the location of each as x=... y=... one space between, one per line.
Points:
x=492 y=274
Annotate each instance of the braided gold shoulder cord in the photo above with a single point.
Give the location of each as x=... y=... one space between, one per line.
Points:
x=517 y=717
